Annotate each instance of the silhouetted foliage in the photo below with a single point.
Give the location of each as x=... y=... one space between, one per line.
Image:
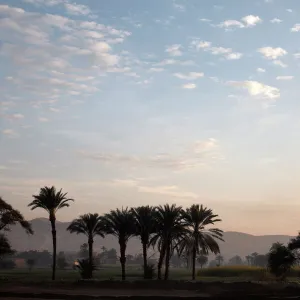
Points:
x=149 y=271
x=202 y=260
x=41 y=258
x=5 y=247
x=219 y=260
x=280 y=260
x=85 y=268
x=199 y=238
x=89 y=225
x=235 y=261
x=10 y=216
x=61 y=260
x=51 y=201
x=144 y=227
x=121 y=224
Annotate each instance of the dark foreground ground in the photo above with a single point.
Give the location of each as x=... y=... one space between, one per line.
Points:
x=149 y=290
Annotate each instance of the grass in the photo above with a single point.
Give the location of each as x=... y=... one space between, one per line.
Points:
x=225 y=273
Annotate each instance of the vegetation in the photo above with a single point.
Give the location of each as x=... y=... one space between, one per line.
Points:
x=121 y=224
x=51 y=201
x=90 y=225
x=85 y=268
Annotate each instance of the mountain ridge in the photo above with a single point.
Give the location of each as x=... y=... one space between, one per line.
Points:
x=236 y=243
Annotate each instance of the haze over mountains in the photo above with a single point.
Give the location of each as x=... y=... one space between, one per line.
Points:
x=236 y=243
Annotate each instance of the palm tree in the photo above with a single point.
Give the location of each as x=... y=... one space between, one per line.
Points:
x=202 y=259
x=169 y=228
x=89 y=225
x=196 y=219
x=120 y=223
x=145 y=226
x=51 y=201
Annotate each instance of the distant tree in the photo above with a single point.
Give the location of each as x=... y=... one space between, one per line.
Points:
x=91 y=225
x=219 y=260
x=10 y=216
x=253 y=258
x=61 y=260
x=202 y=260
x=30 y=263
x=235 y=261
x=51 y=201
x=212 y=263
x=261 y=260
x=294 y=245
x=41 y=258
x=280 y=260
x=249 y=260
x=121 y=224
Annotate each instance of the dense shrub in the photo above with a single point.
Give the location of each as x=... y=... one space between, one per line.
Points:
x=150 y=271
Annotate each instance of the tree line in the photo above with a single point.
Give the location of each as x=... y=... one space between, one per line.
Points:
x=169 y=228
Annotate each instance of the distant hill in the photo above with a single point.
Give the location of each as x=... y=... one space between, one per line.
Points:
x=236 y=243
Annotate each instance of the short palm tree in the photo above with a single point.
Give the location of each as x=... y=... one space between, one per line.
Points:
x=51 y=201
x=169 y=228
x=200 y=238
x=90 y=225
x=120 y=223
x=145 y=226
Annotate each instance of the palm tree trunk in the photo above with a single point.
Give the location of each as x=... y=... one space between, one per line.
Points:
x=123 y=259
x=168 y=251
x=90 y=242
x=160 y=262
x=194 y=263
x=145 y=259
x=52 y=220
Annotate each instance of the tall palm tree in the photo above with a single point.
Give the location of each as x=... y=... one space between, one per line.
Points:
x=120 y=223
x=169 y=228
x=51 y=201
x=145 y=226
x=89 y=225
x=219 y=260
x=196 y=219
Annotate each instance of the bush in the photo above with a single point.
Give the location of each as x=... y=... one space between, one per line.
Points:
x=150 y=271
x=85 y=270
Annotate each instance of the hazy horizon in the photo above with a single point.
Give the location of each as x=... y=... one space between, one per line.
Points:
x=126 y=103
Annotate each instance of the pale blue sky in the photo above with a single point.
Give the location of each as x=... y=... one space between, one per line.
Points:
x=123 y=103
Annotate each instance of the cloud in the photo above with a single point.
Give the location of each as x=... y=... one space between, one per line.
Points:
x=251 y=20
x=199 y=154
x=279 y=63
x=295 y=28
x=247 y=21
x=205 y=20
x=156 y=69
x=42 y=119
x=289 y=10
x=227 y=53
x=179 y=7
x=272 y=53
x=17 y=116
x=189 y=86
x=174 y=50
x=258 y=89
x=276 y=20
x=9 y=132
x=284 y=77
x=260 y=70
x=189 y=76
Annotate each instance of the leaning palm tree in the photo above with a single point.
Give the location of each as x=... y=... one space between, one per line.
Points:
x=90 y=225
x=145 y=226
x=120 y=223
x=200 y=238
x=169 y=228
x=51 y=201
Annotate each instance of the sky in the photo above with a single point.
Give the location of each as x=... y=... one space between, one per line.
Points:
x=126 y=103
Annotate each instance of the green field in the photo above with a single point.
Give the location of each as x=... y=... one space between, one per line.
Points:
x=240 y=273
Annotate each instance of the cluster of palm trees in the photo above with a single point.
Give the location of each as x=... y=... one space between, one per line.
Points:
x=169 y=228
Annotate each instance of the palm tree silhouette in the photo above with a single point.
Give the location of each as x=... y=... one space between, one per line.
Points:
x=89 y=225
x=169 y=228
x=144 y=225
x=51 y=201
x=120 y=223
x=196 y=219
